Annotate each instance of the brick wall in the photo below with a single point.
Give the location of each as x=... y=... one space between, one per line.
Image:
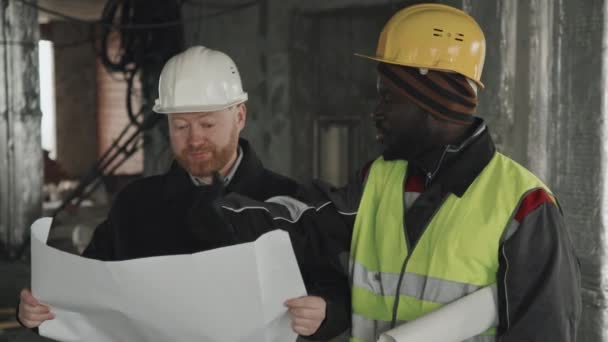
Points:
x=112 y=115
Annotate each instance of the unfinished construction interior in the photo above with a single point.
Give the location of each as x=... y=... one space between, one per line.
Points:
x=77 y=86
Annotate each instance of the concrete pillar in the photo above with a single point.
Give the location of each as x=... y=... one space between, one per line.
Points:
x=20 y=146
x=499 y=21
x=578 y=147
x=537 y=74
x=545 y=100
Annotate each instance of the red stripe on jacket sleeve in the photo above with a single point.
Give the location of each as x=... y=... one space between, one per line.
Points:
x=532 y=201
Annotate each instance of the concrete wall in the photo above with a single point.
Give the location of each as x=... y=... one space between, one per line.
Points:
x=273 y=46
x=577 y=147
x=76 y=96
x=332 y=89
x=20 y=147
x=544 y=101
x=252 y=36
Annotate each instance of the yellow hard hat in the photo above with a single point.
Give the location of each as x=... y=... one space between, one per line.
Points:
x=435 y=37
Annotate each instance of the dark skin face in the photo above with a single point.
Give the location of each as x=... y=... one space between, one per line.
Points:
x=409 y=132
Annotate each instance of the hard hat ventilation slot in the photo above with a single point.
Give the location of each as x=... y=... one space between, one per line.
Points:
x=460 y=37
x=437 y=32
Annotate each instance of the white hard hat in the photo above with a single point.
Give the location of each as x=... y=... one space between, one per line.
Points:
x=199 y=80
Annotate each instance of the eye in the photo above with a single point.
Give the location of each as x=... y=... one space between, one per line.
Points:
x=180 y=126
x=207 y=123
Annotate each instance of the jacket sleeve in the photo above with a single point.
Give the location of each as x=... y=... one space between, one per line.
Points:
x=320 y=228
x=318 y=234
x=538 y=279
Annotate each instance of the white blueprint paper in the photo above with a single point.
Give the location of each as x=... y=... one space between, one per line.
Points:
x=454 y=322
x=228 y=294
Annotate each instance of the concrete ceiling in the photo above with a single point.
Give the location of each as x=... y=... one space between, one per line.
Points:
x=81 y=9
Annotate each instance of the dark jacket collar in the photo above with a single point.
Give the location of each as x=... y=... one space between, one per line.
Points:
x=246 y=179
x=456 y=167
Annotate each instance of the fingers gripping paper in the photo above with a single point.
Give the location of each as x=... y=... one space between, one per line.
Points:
x=228 y=294
x=455 y=322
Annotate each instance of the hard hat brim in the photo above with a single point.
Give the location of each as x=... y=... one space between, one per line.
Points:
x=413 y=65
x=198 y=108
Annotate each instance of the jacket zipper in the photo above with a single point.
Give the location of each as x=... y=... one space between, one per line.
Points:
x=410 y=250
x=429 y=177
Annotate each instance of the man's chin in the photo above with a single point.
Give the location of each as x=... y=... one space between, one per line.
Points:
x=396 y=153
x=200 y=173
x=197 y=171
x=389 y=154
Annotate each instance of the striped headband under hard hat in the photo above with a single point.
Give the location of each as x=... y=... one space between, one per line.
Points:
x=447 y=96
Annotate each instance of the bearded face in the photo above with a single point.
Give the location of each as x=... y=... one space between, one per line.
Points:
x=402 y=126
x=205 y=142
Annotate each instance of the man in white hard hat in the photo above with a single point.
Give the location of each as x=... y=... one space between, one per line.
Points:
x=200 y=91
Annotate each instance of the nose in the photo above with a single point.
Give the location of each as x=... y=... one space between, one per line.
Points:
x=196 y=137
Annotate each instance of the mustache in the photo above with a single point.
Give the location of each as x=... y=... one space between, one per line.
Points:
x=198 y=150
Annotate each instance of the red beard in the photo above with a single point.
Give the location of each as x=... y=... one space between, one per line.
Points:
x=218 y=159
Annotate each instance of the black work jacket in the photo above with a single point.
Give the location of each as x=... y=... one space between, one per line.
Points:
x=152 y=216
x=168 y=215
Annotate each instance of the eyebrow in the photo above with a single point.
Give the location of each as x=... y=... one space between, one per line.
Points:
x=191 y=116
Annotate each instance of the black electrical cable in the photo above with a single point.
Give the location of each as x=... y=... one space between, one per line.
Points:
x=129 y=100
x=135 y=36
x=133 y=47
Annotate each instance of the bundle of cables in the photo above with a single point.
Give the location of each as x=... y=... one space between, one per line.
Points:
x=149 y=32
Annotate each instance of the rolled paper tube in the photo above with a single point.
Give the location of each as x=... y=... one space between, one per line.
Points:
x=455 y=322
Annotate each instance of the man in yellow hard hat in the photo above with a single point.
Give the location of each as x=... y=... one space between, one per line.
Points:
x=201 y=93
x=441 y=213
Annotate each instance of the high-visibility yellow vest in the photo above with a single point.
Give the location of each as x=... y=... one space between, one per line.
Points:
x=456 y=255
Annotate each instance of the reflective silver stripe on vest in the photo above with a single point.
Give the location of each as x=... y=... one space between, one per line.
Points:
x=413 y=285
x=368 y=330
